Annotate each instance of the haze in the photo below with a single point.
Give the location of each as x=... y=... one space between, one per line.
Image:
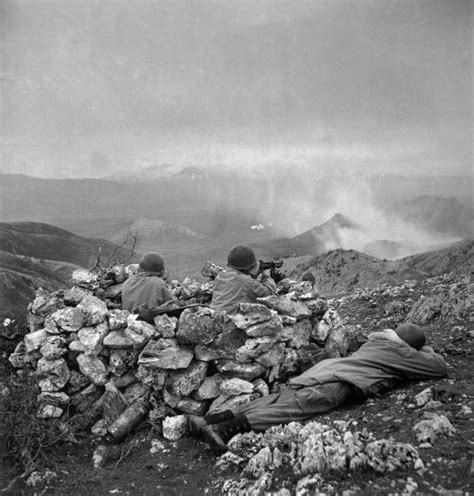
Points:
x=90 y=88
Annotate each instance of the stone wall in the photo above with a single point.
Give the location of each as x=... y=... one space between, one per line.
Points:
x=89 y=356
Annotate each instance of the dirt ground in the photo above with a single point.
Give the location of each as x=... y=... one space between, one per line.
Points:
x=187 y=467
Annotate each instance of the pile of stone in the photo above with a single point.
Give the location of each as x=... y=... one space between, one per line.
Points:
x=309 y=450
x=90 y=356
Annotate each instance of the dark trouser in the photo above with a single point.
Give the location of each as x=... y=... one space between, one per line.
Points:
x=294 y=405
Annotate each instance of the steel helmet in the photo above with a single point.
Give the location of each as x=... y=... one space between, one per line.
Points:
x=241 y=258
x=152 y=262
x=411 y=334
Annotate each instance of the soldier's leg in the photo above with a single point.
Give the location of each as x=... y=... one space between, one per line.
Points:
x=296 y=405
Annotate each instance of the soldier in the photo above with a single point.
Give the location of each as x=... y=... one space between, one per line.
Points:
x=147 y=288
x=243 y=283
x=388 y=358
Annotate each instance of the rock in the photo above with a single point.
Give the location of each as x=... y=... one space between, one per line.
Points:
x=270 y=327
x=99 y=429
x=249 y=314
x=69 y=319
x=60 y=399
x=72 y=297
x=432 y=426
x=183 y=383
x=76 y=383
x=85 y=279
x=197 y=326
x=287 y=305
x=50 y=411
x=45 y=303
x=139 y=331
x=93 y=337
x=54 y=374
x=396 y=307
x=117 y=319
x=119 y=273
x=166 y=325
x=235 y=386
x=261 y=387
x=192 y=407
x=224 y=402
x=124 y=380
x=118 y=339
x=246 y=371
x=117 y=364
x=211 y=270
x=54 y=347
x=224 y=345
x=318 y=307
x=136 y=391
x=343 y=340
x=34 y=340
x=165 y=354
x=329 y=321
x=94 y=368
x=253 y=348
x=189 y=288
x=301 y=334
x=174 y=427
x=94 y=309
x=153 y=377
x=86 y=398
x=77 y=346
x=272 y=357
x=209 y=388
x=423 y=397
x=446 y=302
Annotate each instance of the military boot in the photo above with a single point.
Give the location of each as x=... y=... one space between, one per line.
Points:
x=218 y=435
x=196 y=424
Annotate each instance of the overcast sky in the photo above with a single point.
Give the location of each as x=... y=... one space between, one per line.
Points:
x=92 y=87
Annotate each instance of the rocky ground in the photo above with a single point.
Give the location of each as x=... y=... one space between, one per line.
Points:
x=148 y=464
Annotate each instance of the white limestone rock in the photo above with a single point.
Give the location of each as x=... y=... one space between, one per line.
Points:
x=166 y=325
x=139 y=331
x=117 y=319
x=54 y=374
x=249 y=314
x=183 y=383
x=94 y=309
x=235 y=386
x=174 y=427
x=254 y=348
x=53 y=347
x=94 y=368
x=271 y=327
x=286 y=304
x=165 y=354
x=93 y=337
x=35 y=339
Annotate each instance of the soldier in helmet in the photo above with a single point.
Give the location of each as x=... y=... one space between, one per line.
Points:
x=242 y=283
x=147 y=288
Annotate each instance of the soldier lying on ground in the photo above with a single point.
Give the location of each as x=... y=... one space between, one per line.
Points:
x=388 y=358
x=243 y=283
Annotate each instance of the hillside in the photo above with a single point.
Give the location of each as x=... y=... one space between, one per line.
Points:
x=344 y=270
x=20 y=276
x=441 y=215
x=37 y=254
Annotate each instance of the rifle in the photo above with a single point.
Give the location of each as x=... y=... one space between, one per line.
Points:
x=273 y=265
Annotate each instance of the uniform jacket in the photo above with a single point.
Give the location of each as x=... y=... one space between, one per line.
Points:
x=232 y=287
x=384 y=360
x=144 y=288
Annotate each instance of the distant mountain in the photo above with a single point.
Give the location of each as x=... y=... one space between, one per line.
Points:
x=158 y=230
x=340 y=270
x=319 y=239
x=37 y=254
x=441 y=215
